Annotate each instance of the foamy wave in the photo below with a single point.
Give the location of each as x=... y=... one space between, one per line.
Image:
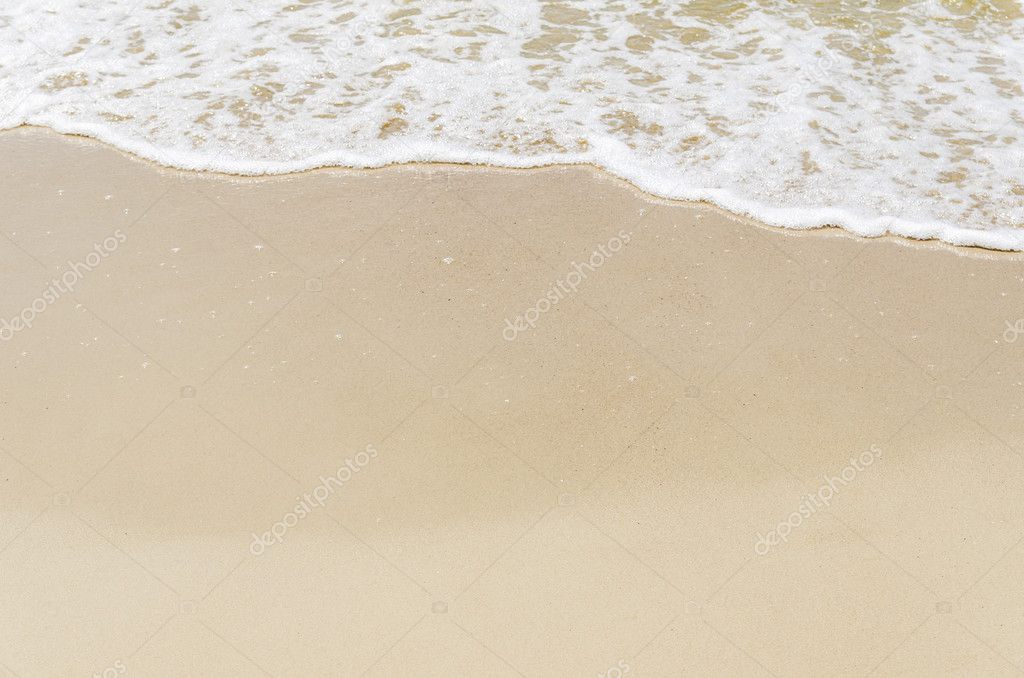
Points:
x=905 y=121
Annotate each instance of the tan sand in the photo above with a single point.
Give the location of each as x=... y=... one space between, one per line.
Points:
x=320 y=359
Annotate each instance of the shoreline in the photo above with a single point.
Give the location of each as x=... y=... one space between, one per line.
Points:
x=953 y=236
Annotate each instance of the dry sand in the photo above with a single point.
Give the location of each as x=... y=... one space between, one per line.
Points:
x=595 y=497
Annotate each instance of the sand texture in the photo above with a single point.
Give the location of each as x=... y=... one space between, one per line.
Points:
x=406 y=422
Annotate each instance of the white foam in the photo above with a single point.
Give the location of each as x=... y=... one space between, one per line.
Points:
x=906 y=122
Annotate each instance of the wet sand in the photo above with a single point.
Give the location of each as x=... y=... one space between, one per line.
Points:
x=442 y=420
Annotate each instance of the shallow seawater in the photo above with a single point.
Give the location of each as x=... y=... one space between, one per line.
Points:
x=904 y=117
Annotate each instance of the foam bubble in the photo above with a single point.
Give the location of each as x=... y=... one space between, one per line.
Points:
x=904 y=121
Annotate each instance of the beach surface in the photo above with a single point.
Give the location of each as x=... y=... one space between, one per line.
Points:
x=443 y=420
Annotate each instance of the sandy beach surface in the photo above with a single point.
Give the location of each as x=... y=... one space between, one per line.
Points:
x=455 y=421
